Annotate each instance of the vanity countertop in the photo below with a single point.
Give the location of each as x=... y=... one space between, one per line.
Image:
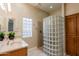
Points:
x=11 y=45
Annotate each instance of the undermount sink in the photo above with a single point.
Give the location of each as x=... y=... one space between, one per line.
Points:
x=16 y=47
x=12 y=45
x=15 y=44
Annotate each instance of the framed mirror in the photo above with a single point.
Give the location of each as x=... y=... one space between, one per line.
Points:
x=10 y=25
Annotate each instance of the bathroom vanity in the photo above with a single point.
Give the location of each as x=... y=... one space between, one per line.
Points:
x=16 y=47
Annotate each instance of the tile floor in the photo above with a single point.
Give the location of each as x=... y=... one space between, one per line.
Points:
x=36 y=52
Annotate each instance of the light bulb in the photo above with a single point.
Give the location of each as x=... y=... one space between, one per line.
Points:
x=51 y=7
x=9 y=7
x=2 y=6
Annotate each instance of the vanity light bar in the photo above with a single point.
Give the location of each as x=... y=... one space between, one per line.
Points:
x=9 y=7
x=2 y=6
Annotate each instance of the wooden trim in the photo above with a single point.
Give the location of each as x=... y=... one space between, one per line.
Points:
x=72 y=14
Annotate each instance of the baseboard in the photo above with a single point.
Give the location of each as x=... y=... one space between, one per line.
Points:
x=31 y=49
x=41 y=47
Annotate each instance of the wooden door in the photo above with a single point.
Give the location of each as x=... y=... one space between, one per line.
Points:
x=70 y=35
x=77 y=42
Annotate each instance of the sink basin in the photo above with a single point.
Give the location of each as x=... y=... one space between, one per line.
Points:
x=11 y=45
x=15 y=44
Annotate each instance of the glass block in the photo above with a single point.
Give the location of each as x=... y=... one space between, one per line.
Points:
x=55 y=35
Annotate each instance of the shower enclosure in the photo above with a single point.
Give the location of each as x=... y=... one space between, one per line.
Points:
x=53 y=35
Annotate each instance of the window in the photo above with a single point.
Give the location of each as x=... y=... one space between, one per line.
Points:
x=27 y=27
x=10 y=25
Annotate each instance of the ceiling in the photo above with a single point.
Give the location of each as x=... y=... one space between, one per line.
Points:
x=47 y=7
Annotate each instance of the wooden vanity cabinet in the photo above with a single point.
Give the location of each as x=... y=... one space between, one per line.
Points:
x=18 y=52
x=72 y=34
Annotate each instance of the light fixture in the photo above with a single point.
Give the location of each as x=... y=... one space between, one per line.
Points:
x=9 y=7
x=2 y=6
x=51 y=6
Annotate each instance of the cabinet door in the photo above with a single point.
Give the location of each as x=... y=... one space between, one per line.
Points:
x=70 y=35
x=70 y=45
x=77 y=42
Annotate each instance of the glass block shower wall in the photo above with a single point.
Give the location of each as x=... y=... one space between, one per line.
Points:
x=53 y=35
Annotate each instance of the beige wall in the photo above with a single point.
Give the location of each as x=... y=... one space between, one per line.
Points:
x=71 y=8
x=24 y=10
x=56 y=12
